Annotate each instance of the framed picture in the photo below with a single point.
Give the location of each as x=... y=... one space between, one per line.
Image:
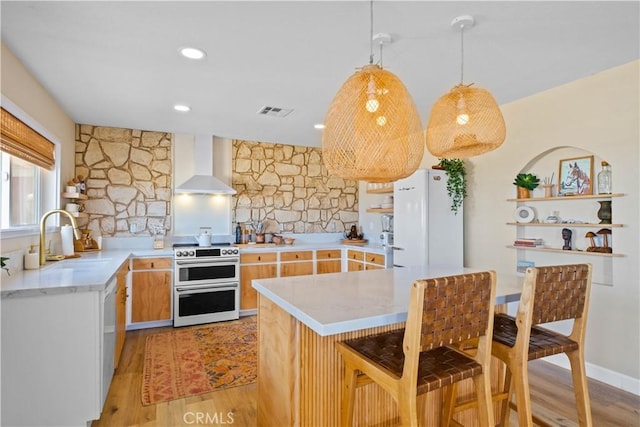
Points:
x=575 y=176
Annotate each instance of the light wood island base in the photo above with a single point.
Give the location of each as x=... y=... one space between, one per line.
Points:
x=300 y=378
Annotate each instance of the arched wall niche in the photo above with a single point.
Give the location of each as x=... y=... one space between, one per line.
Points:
x=546 y=165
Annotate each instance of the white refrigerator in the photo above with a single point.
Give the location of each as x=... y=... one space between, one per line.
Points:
x=425 y=229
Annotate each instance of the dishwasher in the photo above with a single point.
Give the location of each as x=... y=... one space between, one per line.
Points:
x=108 y=336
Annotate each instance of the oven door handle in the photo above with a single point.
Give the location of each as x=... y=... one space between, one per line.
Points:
x=208 y=288
x=209 y=261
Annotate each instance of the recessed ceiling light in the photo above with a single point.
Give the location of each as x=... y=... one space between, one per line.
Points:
x=192 y=53
x=318 y=126
x=182 y=108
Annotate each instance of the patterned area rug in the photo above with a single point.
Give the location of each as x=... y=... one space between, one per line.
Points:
x=196 y=360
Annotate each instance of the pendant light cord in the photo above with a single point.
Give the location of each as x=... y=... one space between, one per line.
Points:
x=371 y=32
x=461 y=53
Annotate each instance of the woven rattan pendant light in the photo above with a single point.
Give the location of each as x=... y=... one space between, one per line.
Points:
x=466 y=121
x=372 y=129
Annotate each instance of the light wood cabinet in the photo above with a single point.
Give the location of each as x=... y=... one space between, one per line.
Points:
x=361 y=260
x=328 y=261
x=151 y=289
x=121 y=311
x=260 y=266
x=291 y=265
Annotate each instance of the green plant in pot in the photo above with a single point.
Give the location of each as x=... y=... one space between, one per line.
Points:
x=526 y=182
x=456 y=182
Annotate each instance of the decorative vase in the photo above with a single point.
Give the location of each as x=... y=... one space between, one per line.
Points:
x=604 y=213
x=523 y=193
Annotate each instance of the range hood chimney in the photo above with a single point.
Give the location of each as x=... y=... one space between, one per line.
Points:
x=203 y=182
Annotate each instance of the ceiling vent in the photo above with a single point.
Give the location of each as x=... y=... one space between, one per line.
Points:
x=274 y=111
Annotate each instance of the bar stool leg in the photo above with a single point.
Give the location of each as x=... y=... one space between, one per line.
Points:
x=448 y=402
x=504 y=404
x=408 y=408
x=348 y=396
x=523 y=400
x=580 y=387
x=483 y=394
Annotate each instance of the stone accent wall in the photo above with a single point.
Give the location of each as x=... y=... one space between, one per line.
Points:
x=128 y=179
x=290 y=184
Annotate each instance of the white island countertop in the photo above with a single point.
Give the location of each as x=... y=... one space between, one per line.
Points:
x=343 y=302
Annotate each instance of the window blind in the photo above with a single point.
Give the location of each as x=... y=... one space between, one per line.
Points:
x=20 y=140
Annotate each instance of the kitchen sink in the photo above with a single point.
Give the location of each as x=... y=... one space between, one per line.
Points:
x=82 y=264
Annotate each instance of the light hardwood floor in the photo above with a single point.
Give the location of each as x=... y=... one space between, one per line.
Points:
x=551 y=393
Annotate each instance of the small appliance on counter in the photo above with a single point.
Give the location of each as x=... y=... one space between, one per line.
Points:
x=386 y=237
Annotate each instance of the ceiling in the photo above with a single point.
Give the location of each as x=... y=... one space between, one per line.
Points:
x=117 y=63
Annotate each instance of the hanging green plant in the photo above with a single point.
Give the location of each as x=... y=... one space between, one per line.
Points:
x=456 y=182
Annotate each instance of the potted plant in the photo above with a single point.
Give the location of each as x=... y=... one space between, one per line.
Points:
x=456 y=182
x=525 y=182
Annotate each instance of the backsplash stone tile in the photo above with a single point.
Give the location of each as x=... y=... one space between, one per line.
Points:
x=289 y=184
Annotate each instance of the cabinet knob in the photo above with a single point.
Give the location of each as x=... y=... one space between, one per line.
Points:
x=152 y=266
x=259 y=258
x=296 y=256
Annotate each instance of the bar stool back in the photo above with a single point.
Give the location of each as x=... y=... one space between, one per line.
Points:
x=549 y=294
x=417 y=359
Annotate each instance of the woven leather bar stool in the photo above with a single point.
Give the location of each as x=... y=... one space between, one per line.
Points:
x=549 y=294
x=416 y=359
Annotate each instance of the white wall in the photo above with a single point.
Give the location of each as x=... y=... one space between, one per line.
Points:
x=39 y=108
x=599 y=115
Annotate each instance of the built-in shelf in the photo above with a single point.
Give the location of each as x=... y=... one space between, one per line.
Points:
x=580 y=196
x=380 y=190
x=79 y=214
x=380 y=210
x=77 y=196
x=564 y=224
x=573 y=252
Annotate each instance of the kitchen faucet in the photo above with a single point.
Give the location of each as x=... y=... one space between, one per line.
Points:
x=43 y=220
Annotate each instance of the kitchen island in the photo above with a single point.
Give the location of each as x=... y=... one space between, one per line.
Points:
x=301 y=318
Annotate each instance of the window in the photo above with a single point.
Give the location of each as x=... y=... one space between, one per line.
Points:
x=29 y=174
x=20 y=189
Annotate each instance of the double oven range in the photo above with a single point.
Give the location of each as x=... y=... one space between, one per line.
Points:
x=206 y=284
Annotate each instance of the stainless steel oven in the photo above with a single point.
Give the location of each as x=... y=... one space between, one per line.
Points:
x=207 y=285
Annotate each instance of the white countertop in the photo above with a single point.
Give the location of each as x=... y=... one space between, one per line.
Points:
x=92 y=271
x=370 y=247
x=342 y=302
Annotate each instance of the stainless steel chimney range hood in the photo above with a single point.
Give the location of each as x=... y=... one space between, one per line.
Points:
x=203 y=182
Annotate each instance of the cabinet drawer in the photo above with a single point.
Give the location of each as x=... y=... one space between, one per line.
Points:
x=329 y=254
x=374 y=258
x=252 y=258
x=354 y=266
x=355 y=255
x=333 y=266
x=152 y=263
x=296 y=269
x=296 y=256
